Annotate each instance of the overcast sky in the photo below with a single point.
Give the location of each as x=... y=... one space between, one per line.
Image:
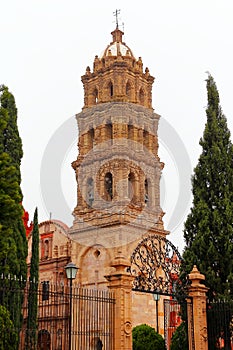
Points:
x=45 y=48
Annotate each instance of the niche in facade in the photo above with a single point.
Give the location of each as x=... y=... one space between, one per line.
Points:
x=141 y=96
x=146 y=138
x=130 y=132
x=109 y=134
x=91 y=135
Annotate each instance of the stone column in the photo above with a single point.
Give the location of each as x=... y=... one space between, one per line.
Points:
x=198 y=293
x=120 y=282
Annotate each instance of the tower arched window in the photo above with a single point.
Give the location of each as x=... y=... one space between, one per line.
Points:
x=131 y=186
x=146 y=193
x=128 y=90
x=110 y=89
x=90 y=191
x=95 y=96
x=141 y=96
x=108 y=186
x=46 y=248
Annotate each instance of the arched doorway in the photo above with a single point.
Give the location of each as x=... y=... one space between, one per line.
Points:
x=44 y=340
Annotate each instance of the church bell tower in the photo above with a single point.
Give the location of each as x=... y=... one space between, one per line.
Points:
x=117 y=169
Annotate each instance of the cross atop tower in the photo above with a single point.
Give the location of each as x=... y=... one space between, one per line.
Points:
x=116 y=13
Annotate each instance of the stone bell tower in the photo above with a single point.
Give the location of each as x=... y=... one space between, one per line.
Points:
x=117 y=169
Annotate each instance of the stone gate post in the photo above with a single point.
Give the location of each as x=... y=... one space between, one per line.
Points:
x=198 y=293
x=120 y=282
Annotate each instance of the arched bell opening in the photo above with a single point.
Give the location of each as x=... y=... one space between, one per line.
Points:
x=129 y=91
x=90 y=192
x=95 y=96
x=110 y=88
x=131 y=187
x=108 y=186
x=146 y=193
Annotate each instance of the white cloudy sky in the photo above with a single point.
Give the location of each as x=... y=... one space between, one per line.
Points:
x=45 y=48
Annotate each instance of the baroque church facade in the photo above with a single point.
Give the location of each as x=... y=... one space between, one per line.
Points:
x=118 y=173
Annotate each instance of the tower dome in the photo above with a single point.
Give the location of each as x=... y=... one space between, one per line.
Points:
x=117 y=76
x=117 y=47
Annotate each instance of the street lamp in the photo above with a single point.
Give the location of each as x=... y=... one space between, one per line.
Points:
x=71 y=271
x=156 y=297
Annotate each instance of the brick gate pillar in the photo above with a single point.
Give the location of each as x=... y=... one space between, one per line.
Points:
x=120 y=282
x=198 y=293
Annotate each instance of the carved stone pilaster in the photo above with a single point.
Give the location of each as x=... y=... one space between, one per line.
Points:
x=198 y=293
x=120 y=282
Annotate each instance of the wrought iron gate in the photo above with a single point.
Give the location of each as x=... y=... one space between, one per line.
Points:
x=155 y=264
x=173 y=310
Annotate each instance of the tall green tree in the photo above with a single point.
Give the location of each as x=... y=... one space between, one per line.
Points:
x=31 y=333
x=13 y=243
x=11 y=144
x=208 y=229
x=12 y=141
x=11 y=195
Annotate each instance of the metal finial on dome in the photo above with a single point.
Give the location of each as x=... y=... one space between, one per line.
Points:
x=116 y=13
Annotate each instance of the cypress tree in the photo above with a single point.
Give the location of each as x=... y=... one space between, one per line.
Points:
x=31 y=333
x=13 y=243
x=12 y=146
x=12 y=141
x=9 y=206
x=11 y=154
x=208 y=229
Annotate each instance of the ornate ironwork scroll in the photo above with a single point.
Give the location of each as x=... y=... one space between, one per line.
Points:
x=155 y=264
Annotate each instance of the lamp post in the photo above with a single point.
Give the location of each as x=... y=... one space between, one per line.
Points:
x=71 y=271
x=156 y=297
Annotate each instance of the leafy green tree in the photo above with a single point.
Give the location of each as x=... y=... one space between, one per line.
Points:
x=179 y=339
x=208 y=229
x=31 y=333
x=145 y=337
x=8 y=335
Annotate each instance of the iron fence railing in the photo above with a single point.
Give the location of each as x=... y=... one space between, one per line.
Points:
x=220 y=324
x=92 y=316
